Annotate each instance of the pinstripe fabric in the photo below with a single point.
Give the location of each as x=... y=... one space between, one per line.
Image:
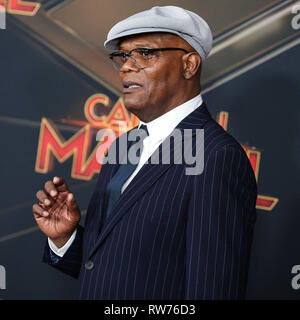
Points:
x=171 y=235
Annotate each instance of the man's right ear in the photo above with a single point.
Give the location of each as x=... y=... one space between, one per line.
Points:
x=191 y=63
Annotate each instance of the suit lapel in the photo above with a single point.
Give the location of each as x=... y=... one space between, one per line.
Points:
x=147 y=175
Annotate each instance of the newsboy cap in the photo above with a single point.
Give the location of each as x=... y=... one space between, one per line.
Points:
x=184 y=23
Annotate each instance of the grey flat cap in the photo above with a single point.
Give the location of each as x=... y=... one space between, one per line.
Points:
x=186 y=24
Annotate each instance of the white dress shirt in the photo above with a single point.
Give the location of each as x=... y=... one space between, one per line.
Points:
x=158 y=130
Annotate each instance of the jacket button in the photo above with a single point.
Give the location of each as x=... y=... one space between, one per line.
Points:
x=89 y=265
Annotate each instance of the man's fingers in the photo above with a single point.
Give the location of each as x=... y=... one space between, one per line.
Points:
x=60 y=184
x=51 y=189
x=71 y=203
x=39 y=212
x=43 y=198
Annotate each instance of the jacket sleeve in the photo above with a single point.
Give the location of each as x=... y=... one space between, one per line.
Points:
x=220 y=225
x=71 y=262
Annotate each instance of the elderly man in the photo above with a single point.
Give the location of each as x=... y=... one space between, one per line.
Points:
x=152 y=231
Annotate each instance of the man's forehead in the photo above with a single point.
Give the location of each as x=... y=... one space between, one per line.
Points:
x=152 y=39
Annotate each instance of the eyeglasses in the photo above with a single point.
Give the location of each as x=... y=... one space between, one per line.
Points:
x=140 y=57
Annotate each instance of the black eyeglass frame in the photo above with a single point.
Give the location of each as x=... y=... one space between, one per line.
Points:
x=145 y=51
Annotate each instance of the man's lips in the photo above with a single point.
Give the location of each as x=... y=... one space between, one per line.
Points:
x=130 y=86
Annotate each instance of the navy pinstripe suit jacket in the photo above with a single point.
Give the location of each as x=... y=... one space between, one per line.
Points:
x=170 y=235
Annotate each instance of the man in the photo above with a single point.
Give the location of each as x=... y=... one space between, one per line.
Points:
x=152 y=231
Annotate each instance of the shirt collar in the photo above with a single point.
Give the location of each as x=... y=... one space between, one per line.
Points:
x=162 y=126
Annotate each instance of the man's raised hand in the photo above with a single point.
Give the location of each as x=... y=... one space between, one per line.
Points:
x=57 y=213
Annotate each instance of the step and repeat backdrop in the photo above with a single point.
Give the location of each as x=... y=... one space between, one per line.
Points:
x=49 y=117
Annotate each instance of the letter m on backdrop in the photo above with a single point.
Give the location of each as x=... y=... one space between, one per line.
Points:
x=2 y=278
x=53 y=145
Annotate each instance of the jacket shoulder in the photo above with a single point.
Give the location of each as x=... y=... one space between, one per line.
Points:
x=217 y=139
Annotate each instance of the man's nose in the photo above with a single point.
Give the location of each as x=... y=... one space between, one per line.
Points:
x=129 y=66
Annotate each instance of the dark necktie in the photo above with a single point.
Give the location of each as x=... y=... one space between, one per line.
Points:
x=113 y=189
